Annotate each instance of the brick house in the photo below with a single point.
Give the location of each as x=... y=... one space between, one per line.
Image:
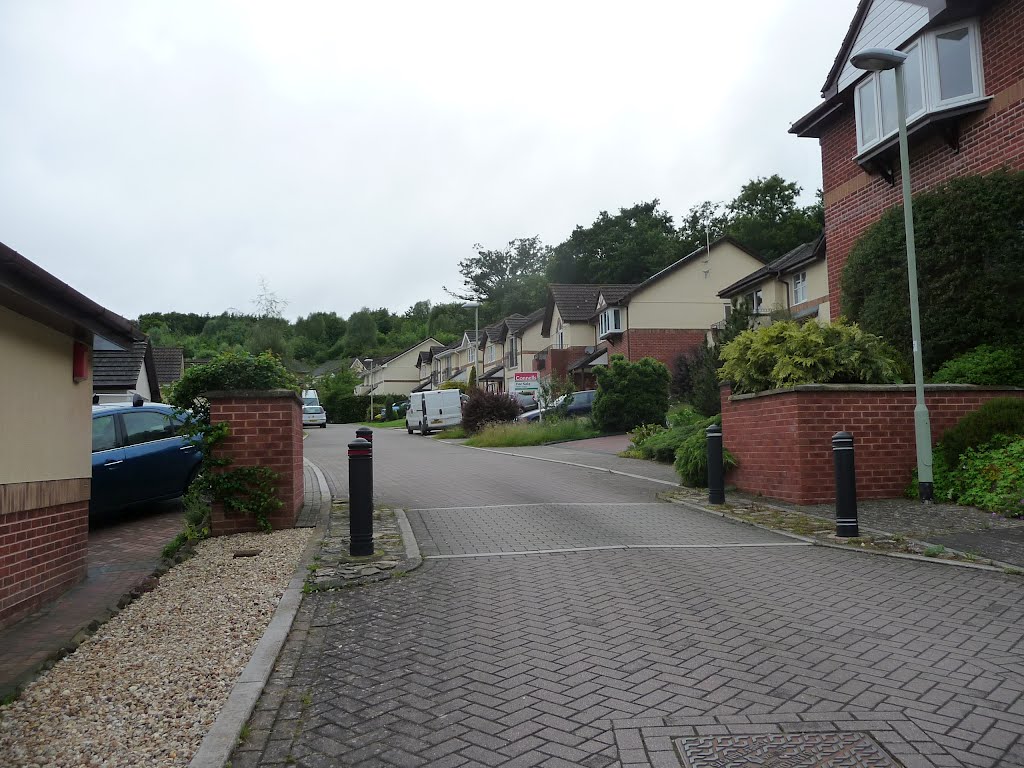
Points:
x=46 y=336
x=965 y=105
x=795 y=285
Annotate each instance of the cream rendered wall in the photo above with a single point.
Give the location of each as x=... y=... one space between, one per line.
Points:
x=46 y=418
x=817 y=280
x=142 y=385
x=530 y=343
x=687 y=298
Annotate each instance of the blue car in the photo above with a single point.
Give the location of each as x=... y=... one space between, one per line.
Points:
x=139 y=455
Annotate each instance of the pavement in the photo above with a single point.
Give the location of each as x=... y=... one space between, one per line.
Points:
x=563 y=617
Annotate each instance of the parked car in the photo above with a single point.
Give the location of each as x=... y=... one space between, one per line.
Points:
x=433 y=410
x=310 y=397
x=139 y=454
x=314 y=416
x=526 y=402
x=581 y=404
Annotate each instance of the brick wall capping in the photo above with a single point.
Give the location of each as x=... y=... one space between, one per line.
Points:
x=929 y=389
x=253 y=394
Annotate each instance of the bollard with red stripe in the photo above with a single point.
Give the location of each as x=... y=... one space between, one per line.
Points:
x=366 y=433
x=360 y=497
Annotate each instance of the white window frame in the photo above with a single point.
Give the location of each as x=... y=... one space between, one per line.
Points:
x=472 y=353
x=799 y=287
x=931 y=102
x=610 y=321
x=560 y=335
x=512 y=353
x=755 y=299
x=490 y=353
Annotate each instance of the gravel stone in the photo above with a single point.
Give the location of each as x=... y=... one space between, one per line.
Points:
x=145 y=689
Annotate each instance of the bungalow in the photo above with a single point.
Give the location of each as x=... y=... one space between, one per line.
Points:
x=795 y=286
x=965 y=92
x=120 y=374
x=396 y=374
x=170 y=364
x=47 y=331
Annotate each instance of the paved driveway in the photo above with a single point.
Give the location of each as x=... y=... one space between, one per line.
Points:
x=657 y=637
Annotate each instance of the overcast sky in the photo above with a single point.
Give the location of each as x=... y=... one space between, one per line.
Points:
x=164 y=156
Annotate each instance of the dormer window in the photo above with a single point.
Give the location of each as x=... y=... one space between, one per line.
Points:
x=942 y=71
x=609 y=322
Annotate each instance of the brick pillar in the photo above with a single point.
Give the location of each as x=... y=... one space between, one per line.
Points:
x=266 y=430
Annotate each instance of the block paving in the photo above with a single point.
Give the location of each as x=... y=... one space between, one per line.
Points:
x=616 y=658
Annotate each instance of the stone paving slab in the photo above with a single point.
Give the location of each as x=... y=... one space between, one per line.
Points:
x=606 y=659
x=517 y=528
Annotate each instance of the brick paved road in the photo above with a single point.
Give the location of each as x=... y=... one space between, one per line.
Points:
x=616 y=657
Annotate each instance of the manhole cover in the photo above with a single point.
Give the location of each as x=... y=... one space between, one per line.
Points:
x=802 y=750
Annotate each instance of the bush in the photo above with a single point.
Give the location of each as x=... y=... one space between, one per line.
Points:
x=683 y=416
x=787 y=354
x=462 y=386
x=985 y=365
x=992 y=477
x=230 y=370
x=692 y=455
x=663 y=444
x=630 y=394
x=345 y=409
x=532 y=433
x=970 y=260
x=999 y=416
x=485 y=408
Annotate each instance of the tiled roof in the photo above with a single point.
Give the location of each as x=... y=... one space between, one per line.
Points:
x=803 y=253
x=170 y=363
x=576 y=302
x=118 y=367
x=493 y=373
x=591 y=355
x=520 y=322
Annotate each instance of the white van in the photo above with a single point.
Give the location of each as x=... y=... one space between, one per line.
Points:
x=433 y=410
x=310 y=397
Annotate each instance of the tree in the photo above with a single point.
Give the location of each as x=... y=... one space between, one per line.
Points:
x=361 y=336
x=266 y=336
x=447 y=321
x=764 y=217
x=630 y=394
x=628 y=247
x=702 y=224
x=509 y=279
x=268 y=303
x=695 y=373
x=970 y=267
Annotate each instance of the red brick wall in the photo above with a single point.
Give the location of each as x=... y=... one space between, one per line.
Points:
x=782 y=440
x=42 y=554
x=559 y=360
x=992 y=139
x=266 y=430
x=662 y=344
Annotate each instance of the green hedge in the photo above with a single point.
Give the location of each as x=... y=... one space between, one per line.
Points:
x=999 y=416
x=630 y=394
x=970 y=260
x=985 y=365
x=348 y=409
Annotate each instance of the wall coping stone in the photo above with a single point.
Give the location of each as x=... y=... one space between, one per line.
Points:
x=253 y=394
x=873 y=389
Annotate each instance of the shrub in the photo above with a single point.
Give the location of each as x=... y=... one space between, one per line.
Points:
x=970 y=260
x=630 y=394
x=992 y=477
x=787 y=354
x=459 y=385
x=985 y=365
x=692 y=455
x=485 y=408
x=345 y=409
x=683 y=416
x=230 y=370
x=645 y=431
x=999 y=416
x=663 y=444
x=532 y=433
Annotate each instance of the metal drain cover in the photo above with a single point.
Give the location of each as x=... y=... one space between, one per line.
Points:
x=800 y=750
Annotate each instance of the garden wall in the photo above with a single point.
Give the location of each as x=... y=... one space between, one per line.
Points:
x=266 y=430
x=782 y=439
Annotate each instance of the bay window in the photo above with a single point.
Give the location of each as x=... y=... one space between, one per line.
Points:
x=609 y=322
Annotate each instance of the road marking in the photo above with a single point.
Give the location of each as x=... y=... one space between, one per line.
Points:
x=544 y=504
x=619 y=547
x=575 y=464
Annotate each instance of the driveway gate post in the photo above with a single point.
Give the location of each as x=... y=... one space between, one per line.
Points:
x=716 y=468
x=846 y=485
x=360 y=497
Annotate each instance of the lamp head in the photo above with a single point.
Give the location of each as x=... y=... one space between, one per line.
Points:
x=877 y=59
x=471 y=304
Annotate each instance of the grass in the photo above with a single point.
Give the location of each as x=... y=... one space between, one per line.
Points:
x=452 y=433
x=383 y=424
x=532 y=433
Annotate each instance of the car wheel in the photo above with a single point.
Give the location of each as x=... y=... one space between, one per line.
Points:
x=423 y=429
x=408 y=427
x=324 y=425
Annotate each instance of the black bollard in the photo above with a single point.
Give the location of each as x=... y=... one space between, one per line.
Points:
x=846 y=485
x=360 y=497
x=716 y=466
x=366 y=433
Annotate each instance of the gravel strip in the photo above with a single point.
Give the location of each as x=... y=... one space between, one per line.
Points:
x=145 y=689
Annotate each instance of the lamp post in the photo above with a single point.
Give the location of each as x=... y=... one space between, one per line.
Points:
x=372 y=385
x=878 y=60
x=475 y=305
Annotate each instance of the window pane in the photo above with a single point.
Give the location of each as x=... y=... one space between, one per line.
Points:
x=146 y=426
x=618 y=322
x=866 y=112
x=104 y=436
x=887 y=85
x=914 y=83
x=954 y=53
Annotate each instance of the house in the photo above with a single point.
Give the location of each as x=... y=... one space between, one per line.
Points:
x=47 y=330
x=120 y=374
x=170 y=364
x=795 y=285
x=522 y=340
x=965 y=91
x=666 y=315
x=453 y=363
x=492 y=353
x=396 y=374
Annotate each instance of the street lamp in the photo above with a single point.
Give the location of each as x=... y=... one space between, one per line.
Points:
x=877 y=60
x=372 y=385
x=475 y=305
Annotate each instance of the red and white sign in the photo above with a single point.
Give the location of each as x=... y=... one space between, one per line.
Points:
x=525 y=383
